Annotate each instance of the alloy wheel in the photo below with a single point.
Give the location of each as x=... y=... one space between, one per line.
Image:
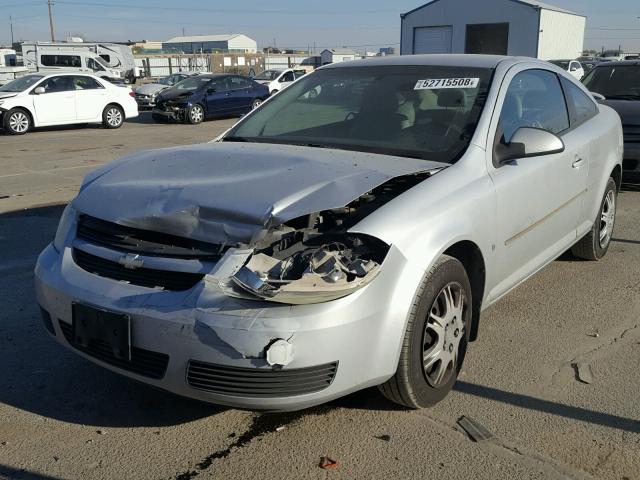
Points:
x=114 y=117
x=196 y=114
x=257 y=103
x=19 y=122
x=607 y=218
x=443 y=335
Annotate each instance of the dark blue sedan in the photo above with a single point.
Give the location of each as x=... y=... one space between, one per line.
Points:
x=205 y=96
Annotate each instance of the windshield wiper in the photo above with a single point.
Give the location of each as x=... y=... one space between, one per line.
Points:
x=234 y=139
x=629 y=96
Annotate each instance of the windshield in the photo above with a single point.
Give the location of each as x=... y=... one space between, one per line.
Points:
x=426 y=112
x=267 y=75
x=102 y=62
x=192 y=84
x=20 y=84
x=615 y=81
x=561 y=63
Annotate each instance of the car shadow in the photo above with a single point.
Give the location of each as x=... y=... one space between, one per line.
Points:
x=42 y=377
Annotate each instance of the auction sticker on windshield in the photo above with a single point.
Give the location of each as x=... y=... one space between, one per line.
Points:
x=436 y=83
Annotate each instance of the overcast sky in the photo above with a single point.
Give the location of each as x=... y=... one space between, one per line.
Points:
x=362 y=24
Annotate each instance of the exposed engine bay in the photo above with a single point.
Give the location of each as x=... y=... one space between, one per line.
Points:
x=314 y=258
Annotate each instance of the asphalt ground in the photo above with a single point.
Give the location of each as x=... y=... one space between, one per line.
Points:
x=62 y=417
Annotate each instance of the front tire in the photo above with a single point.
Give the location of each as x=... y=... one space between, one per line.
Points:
x=195 y=114
x=17 y=122
x=112 y=116
x=256 y=103
x=436 y=338
x=594 y=245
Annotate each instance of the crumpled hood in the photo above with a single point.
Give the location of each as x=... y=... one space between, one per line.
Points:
x=629 y=110
x=150 y=88
x=230 y=192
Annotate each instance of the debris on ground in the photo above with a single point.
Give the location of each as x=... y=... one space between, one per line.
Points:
x=4 y=443
x=476 y=431
x=279 y=429
x=584 y=372
x=328 y=463
x=384 y=438
x=594 y=334
x=100 y=432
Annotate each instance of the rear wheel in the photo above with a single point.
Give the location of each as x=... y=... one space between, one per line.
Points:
x=112 y=116
x=17 y=122
x=436 y=337
x=594 y=245
x=195 y=114
x=256 y=103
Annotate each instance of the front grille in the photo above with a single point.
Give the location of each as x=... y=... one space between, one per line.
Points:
x=147 y=242
x=255 y=382
x=144 y=277
x=631 y=133
x=143 y=362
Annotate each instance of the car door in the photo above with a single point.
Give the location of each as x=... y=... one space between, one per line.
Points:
x=576 y=70
x=57 y=105
x=286 y=79
x=91 y=98
x=538 y=199
x=217 y=99
x=241 y=93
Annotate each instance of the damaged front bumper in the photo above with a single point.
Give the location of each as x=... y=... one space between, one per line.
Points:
x=244 y=353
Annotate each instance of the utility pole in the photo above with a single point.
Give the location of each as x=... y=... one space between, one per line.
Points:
x=49 y=4
x=11 y=25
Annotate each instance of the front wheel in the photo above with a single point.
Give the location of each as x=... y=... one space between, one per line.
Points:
x=256 y=103
x=17 y=122
x=436 y=337
x=112 y=117
x=594 y=245
x=195 y=114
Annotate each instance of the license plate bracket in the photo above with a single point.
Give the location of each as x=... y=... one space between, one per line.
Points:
x=92 y=324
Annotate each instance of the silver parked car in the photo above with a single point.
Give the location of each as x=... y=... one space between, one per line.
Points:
x=335 y=241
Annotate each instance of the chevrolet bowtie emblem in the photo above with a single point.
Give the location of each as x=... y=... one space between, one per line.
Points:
x=131 y=261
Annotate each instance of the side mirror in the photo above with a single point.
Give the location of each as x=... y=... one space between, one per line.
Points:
x=597 y=96
x=529 y=142
x=39 y=90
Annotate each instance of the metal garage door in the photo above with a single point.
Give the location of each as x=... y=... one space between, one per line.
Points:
x=432 y=39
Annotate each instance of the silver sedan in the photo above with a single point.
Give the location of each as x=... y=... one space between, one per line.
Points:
x=347 y=233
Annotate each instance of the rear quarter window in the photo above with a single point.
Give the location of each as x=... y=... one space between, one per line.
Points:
x=581 y=107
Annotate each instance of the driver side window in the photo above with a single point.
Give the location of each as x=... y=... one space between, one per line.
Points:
x=534 y=99
x=93 y=65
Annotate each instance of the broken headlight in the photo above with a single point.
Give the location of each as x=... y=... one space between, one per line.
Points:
x=310 y=271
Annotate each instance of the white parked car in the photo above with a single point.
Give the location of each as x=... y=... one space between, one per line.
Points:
x=279 y=79
x=61 y=99
x=574 y=67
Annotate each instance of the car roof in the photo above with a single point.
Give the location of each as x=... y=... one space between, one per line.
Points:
x=621 y=62
x=443 y=60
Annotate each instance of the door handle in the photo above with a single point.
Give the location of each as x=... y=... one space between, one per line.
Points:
x=577 y=163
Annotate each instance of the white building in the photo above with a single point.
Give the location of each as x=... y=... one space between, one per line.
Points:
x=503 y=27
x=336 y=55
x=233 y=43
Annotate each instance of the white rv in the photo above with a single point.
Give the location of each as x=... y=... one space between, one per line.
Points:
x=114 y=56
x=9 y=68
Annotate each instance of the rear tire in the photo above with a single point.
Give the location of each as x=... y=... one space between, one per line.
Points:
x=256 y=103
x=594 y=245
x=112 y=116
x=17 y=122
x=436 y=338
